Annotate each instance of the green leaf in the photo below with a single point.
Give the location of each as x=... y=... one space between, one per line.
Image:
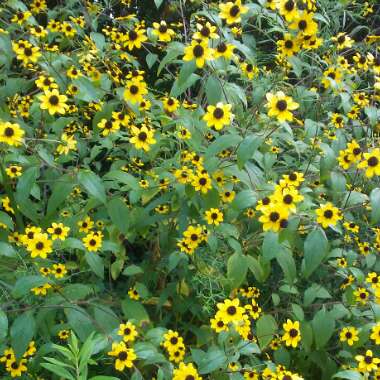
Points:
x=60 y=192
x=134 y=310
x=323 y=327
x=93 y=185
x=244 y=199
x=132 y=270
x=315 y=250
x=58 y=370
x=173 y=51
x=213 y=90
x=247 y=148
x=179 y=88
x=7 y=250
x=22 y=332
x=3 y=325
x=80 y=321
x=214 y=359
x=119 y=214
x=6 y=219
x=106 y=318
x=96 y=264
x=266 y=328
x=87 y=90
x=158 y=3
x=285 y=260
x=24 y=284
x=222 y=142
x=104 y=378
x=151 y=59
x=375 y=205
x=236 y=269
x=271 y=246
x=349 y=375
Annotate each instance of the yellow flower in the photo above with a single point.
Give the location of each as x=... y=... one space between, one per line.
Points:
x=186 y=371
x=201 y=182
x=13 y=171
x=198 y=51
x=170 y=104
x=288 y=46
x=232 y=11
x=280 y=106
x=367 y=362
x=53 y=102
x=63 y=334
x=16 y=368
x=375 y=333
x=69 y=143
x=288 y=9
x=134 y=38
x=162 y=31
x=11 y=133
x=58 y=231
x=328 y=215
x=40 y=245
x=206 y=31
x=46 y=83
x=127 y=331
x=230 y=311
x=343 y=41
x=214 y=216
x=135 y=90
x=108 y=126
x=304 y=23
x=133 y=294
x=59 y=270
x=331 y=74
x=371 y=163
x=124 y=356
x=349 y=335
x=292 y=334
x=275 y=217
x=41 y=290
x=361 y=295
x=93 y=241
x=218 y=116
x=142 y=138
x=85 y=225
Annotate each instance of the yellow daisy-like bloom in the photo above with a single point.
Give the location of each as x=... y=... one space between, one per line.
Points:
x=134 y=38
x=39 y=245
x=342 y=41
x=214 y=216
x=59 y=270
x=85 y=225
x=186 y=371
x=349 y=335
x=128 y=332
x=218 y=116
x=275 y=217
x=292 y=334
x=198 y=51
x=218 y=325
x=206 y=31
x=371 y=163
x=249 y=70
x=201 y=182
x=230 y=311
x=288 y=9
x=232 y=11
x=288 y=46
x=162 y=31
x=13 y=171
x=135 y=90
x=305 y=24
x=193 y=235
x=58 y=231
x=224 y=50
x=16 y=368
x=361 y=295
x=124 y=356
x=41 y=290
x=142 y=138
x=69 y=144
x=328 y=215
x=63 y=334
x=93 y=241
x=280 y=106
x=133 y=294
x=11 y=133
x=46 y=83
x=170 y=104
x=329 y=75
x=367 y=362
x=375 y=333
x=53 y=102
x=108 y=126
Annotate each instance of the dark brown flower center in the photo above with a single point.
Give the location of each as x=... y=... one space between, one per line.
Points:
x=218 y=113
x=235 y=10
x=274 y=216
x=198 y=51
x=281 y=105
x=293 y=333
x=54 y=100
x=328 y=214
x=373 y=161
x=9 y=132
